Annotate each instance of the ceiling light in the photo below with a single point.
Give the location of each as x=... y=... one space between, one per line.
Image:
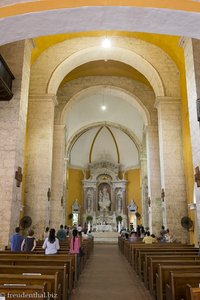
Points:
x=106 y=43
x=103 y=107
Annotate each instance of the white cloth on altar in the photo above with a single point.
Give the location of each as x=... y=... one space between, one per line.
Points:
x=103 y=228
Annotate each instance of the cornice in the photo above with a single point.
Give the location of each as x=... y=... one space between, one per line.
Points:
x=43 y=98
x=166 y=100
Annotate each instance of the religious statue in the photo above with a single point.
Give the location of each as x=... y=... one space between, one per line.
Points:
x=104 y=199
x=89 y=200
x=119 y=200
x=132 y=206
x=75 y=206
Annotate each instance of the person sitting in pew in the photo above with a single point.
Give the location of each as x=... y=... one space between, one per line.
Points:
x=90 y=235
x=46 y=233
x=133 y=237
x=16 y=240
x=168 y=237
x=61 y=234
x=51 y=243
x=148 y=239
x=154 y=238
x=29 y=243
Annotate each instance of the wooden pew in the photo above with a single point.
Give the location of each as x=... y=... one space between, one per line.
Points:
x=52 y=281
x=137 y=247
x=176 y=289
x=51 y=258
x=37 y=291
x=163 y=275
x=152 y=263
x=44 y=263
x=162 y=255
x=43 y=270
x=153 y=252
x=192 y=293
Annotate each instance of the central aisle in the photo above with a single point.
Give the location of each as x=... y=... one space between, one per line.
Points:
x=107 y=275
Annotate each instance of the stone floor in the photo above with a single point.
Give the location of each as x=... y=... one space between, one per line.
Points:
x=108 y=276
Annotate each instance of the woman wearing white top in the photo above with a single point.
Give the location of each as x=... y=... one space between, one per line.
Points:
x=51 y=243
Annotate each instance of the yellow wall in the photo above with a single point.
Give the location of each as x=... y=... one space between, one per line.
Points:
x=74 y=190
x=133 y=188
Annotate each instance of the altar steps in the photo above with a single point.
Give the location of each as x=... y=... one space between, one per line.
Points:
x=106 y=237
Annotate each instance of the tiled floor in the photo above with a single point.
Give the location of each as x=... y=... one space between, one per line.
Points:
x=108 y=276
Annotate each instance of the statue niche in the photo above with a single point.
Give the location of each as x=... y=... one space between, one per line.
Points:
x=104 y=202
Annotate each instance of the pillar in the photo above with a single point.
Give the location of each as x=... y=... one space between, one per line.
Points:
x=39 y=159
x=153 y=174
x=174 y=205
x=13 y=116
x=58 y=197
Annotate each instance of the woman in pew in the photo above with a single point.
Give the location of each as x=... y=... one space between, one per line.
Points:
x=29 y=243
x=75 y=246
x=51 y=243
x=75 y=242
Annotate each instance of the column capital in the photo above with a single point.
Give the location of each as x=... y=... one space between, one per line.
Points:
x=166 y=100
x=43 y=98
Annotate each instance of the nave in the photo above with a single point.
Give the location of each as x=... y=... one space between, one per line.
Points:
x=107 y=275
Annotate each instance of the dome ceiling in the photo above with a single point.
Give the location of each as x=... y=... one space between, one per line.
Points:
x=104 y=143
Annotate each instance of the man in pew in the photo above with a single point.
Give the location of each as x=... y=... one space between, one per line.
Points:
x=16 y=240
x=61 y=234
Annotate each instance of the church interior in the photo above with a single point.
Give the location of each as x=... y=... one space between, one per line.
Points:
x=99 y=116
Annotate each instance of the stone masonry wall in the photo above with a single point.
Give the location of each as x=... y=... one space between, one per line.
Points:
x=13 y=116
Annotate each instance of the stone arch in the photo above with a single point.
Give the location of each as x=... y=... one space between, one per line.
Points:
x=75 y=19
x=116 y=53
x=114 y=91
x=158 y=67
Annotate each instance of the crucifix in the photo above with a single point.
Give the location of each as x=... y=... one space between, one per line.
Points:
x=18 y=176
x=149 y=201
x=49 y=194
x=197 y=176
x=163 y=195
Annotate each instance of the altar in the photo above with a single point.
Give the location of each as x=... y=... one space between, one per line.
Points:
x=104 y=197
x=103 y=228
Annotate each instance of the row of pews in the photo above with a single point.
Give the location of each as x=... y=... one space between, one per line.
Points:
x=35 y=275
x=171 y=271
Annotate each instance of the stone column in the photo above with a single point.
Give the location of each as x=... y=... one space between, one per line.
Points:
x=171 y=165
x=13 y=116
x=144 y=192
x=58 y=198
x=154 y=185
x=39 y=158
x=192 y=66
